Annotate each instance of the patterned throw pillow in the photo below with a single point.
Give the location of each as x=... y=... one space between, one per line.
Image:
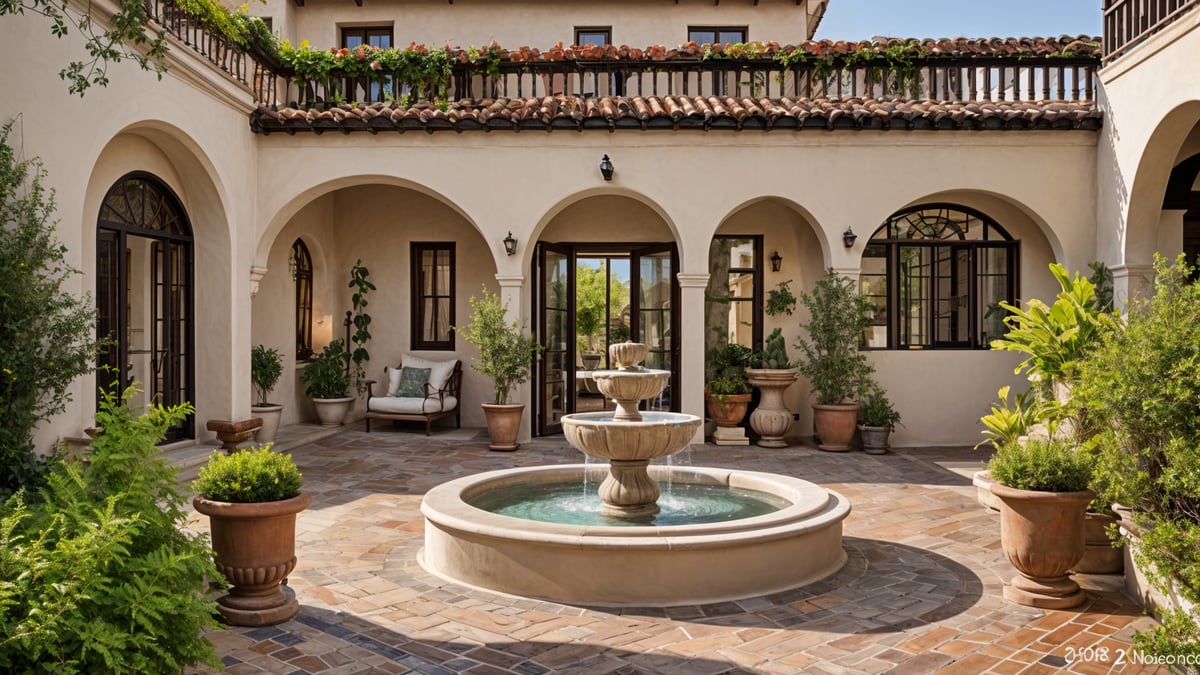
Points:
x=412 y=382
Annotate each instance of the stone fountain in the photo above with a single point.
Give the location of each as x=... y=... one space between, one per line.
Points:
x=725 y=534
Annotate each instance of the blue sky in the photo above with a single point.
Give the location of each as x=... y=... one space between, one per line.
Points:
x=861 y=19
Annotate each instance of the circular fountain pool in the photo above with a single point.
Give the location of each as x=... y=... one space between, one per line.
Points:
x=652 y=564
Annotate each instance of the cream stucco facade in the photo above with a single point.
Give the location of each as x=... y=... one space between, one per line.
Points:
x=1067 y=196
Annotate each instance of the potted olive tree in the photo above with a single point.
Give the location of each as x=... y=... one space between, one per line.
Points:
x=835 y=367
x=251 y=499
x=505 y=355
x=266 y=365
x=1042 y=485
x=326 y=380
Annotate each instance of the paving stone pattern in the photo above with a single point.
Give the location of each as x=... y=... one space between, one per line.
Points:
x=921 y=592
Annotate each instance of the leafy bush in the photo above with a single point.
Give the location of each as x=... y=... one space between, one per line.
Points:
x=249 y=476
x=1041 y=465
x=727 y=366
x=266 y=365
x=48 y=334
x=877 y=410
x=505 y=351
x=780 y=300
x=1005 y=424
x=832 y=361
x=326 y=375
x=99 y=574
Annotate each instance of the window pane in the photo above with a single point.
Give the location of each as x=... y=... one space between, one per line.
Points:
x=702 y=35
x=442 y=330
x=874 y=286
x=732 y=36
x=589 y=36
x=432 y=295
x=913 y=305
x=993 y=289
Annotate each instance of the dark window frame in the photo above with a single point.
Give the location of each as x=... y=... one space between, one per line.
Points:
x=955 y=252
x=417 y=251
x=375 y=91
x=717 y=31
x=759 y=280
x=606 y=30
x=304 y=299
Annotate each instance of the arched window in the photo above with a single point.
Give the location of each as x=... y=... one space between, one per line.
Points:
x=937 y=274
x=303 y=272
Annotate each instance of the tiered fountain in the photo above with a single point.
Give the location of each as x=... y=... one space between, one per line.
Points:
x=718 y=534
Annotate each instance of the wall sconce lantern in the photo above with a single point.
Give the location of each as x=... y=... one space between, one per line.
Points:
x=776 y=261
x=848 y=237
x=606 y=168
x=510 y=244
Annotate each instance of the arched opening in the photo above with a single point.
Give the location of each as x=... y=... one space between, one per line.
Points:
x=144 y=263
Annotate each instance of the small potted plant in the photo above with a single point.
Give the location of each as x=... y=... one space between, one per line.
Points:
x=326 y=380
x=835 y=367
x=251 y=499
x=505 y=355
x=773 y=374
x=727 y=391
x=266 y=365
x=1042 y=485
x=879 y=419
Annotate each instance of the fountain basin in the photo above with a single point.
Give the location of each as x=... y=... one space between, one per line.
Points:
x=657 y=434
x=634 y=566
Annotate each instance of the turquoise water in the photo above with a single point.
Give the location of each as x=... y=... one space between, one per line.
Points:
x=681 y=504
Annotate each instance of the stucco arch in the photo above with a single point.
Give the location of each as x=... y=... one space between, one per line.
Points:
x=575 y=198
x=1157 y=159
x=806 y=217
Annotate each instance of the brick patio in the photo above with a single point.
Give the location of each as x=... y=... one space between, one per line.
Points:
x=921 y=592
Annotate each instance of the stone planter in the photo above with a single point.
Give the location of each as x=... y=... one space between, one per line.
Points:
x=255 y=547
x=504 y=424
x=332 y=411
x=591 y=361
x=270 y=415
x=1042 y=536
x=875 y=439
x=1156 y=600
x=771 y=419
x=835 y=426
x=1099 y=554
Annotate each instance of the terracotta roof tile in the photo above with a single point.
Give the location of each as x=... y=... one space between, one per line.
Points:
x=680 y=112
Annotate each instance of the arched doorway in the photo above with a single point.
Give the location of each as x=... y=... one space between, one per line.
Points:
x=144 y=277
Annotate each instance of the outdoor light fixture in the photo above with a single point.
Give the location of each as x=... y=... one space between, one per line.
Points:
x=510 y=244
x=776 y=261
x=848 y=237
x=606 y=168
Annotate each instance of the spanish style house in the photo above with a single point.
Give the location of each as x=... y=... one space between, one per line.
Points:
x=224 y=205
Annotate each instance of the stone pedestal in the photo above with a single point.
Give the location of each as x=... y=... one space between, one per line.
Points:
x=771 y=419
x=231 y=433
x=730 y=436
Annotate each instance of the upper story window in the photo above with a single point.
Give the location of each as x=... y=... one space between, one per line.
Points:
x=937 y=274
x=715 y=35
x=304 y=299
x=593 y=35
x=372 y=36
x=432 y=295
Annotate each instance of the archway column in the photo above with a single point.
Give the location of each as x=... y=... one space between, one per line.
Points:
x=1169 y=237
x=691 y=347
x=1131 y=281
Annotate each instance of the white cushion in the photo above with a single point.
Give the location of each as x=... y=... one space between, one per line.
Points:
x=439 y=371
x=410 y=406
x=393 y=375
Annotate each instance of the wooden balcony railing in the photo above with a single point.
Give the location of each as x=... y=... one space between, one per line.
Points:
x=1128 y=22
x=971 y=78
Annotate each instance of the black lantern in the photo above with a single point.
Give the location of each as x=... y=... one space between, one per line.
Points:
x=606 y=168
x=776 y=261
x=510 y=244
x=848 y=237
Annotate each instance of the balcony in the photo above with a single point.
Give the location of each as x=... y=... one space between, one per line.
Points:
x=1129 y=22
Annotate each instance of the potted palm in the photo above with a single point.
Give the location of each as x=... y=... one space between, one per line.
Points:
x=505 y=355
x=266 y=365
x=879 y=419
x=773 y=374
x=251 y=499
x=1042 y=485
x=326 y=380
x=835 y=367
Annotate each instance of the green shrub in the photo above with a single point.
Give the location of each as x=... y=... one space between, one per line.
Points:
x=327 y=374
x=249 y=476
x=266 y=365
x=727 y=368
x=1041 y=465
x=835 y=367
x=877 y=410
x=99 y=574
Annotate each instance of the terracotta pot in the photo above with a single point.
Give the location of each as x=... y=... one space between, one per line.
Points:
x=270 y=415
x=255 y=547
x=835 y=425
x=1099 y=554
x=771 y=419
x=503 y=423
x=727 y=410
x=875 y=439
x=332 y=411
x=1042 y=536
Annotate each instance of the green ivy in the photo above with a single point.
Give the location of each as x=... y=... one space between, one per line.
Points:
x=362 y=322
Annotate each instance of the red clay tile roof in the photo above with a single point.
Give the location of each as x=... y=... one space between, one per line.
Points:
x=681 y=112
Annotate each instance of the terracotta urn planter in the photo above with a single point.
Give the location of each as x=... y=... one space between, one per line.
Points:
x=771 y=419
x=504 y=424
x=332 y=411
x=835 y=425
x=255 y=546
x=1099 y=554
x=727 y=410
x=270 y=416
x=1042 y=536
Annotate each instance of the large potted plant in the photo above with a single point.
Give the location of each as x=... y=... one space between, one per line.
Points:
x=326 y=380
x=772 y=374
x=835 y=367
x=879 y=419
x=1042 y=485
x=266 y=365
x=727 y=392
x=505 y=355
x=251 y=499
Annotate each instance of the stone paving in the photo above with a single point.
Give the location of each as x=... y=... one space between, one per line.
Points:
x=921 y=592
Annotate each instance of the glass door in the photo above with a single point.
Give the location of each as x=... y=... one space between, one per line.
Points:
x=654 y=298
x=556 y=320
